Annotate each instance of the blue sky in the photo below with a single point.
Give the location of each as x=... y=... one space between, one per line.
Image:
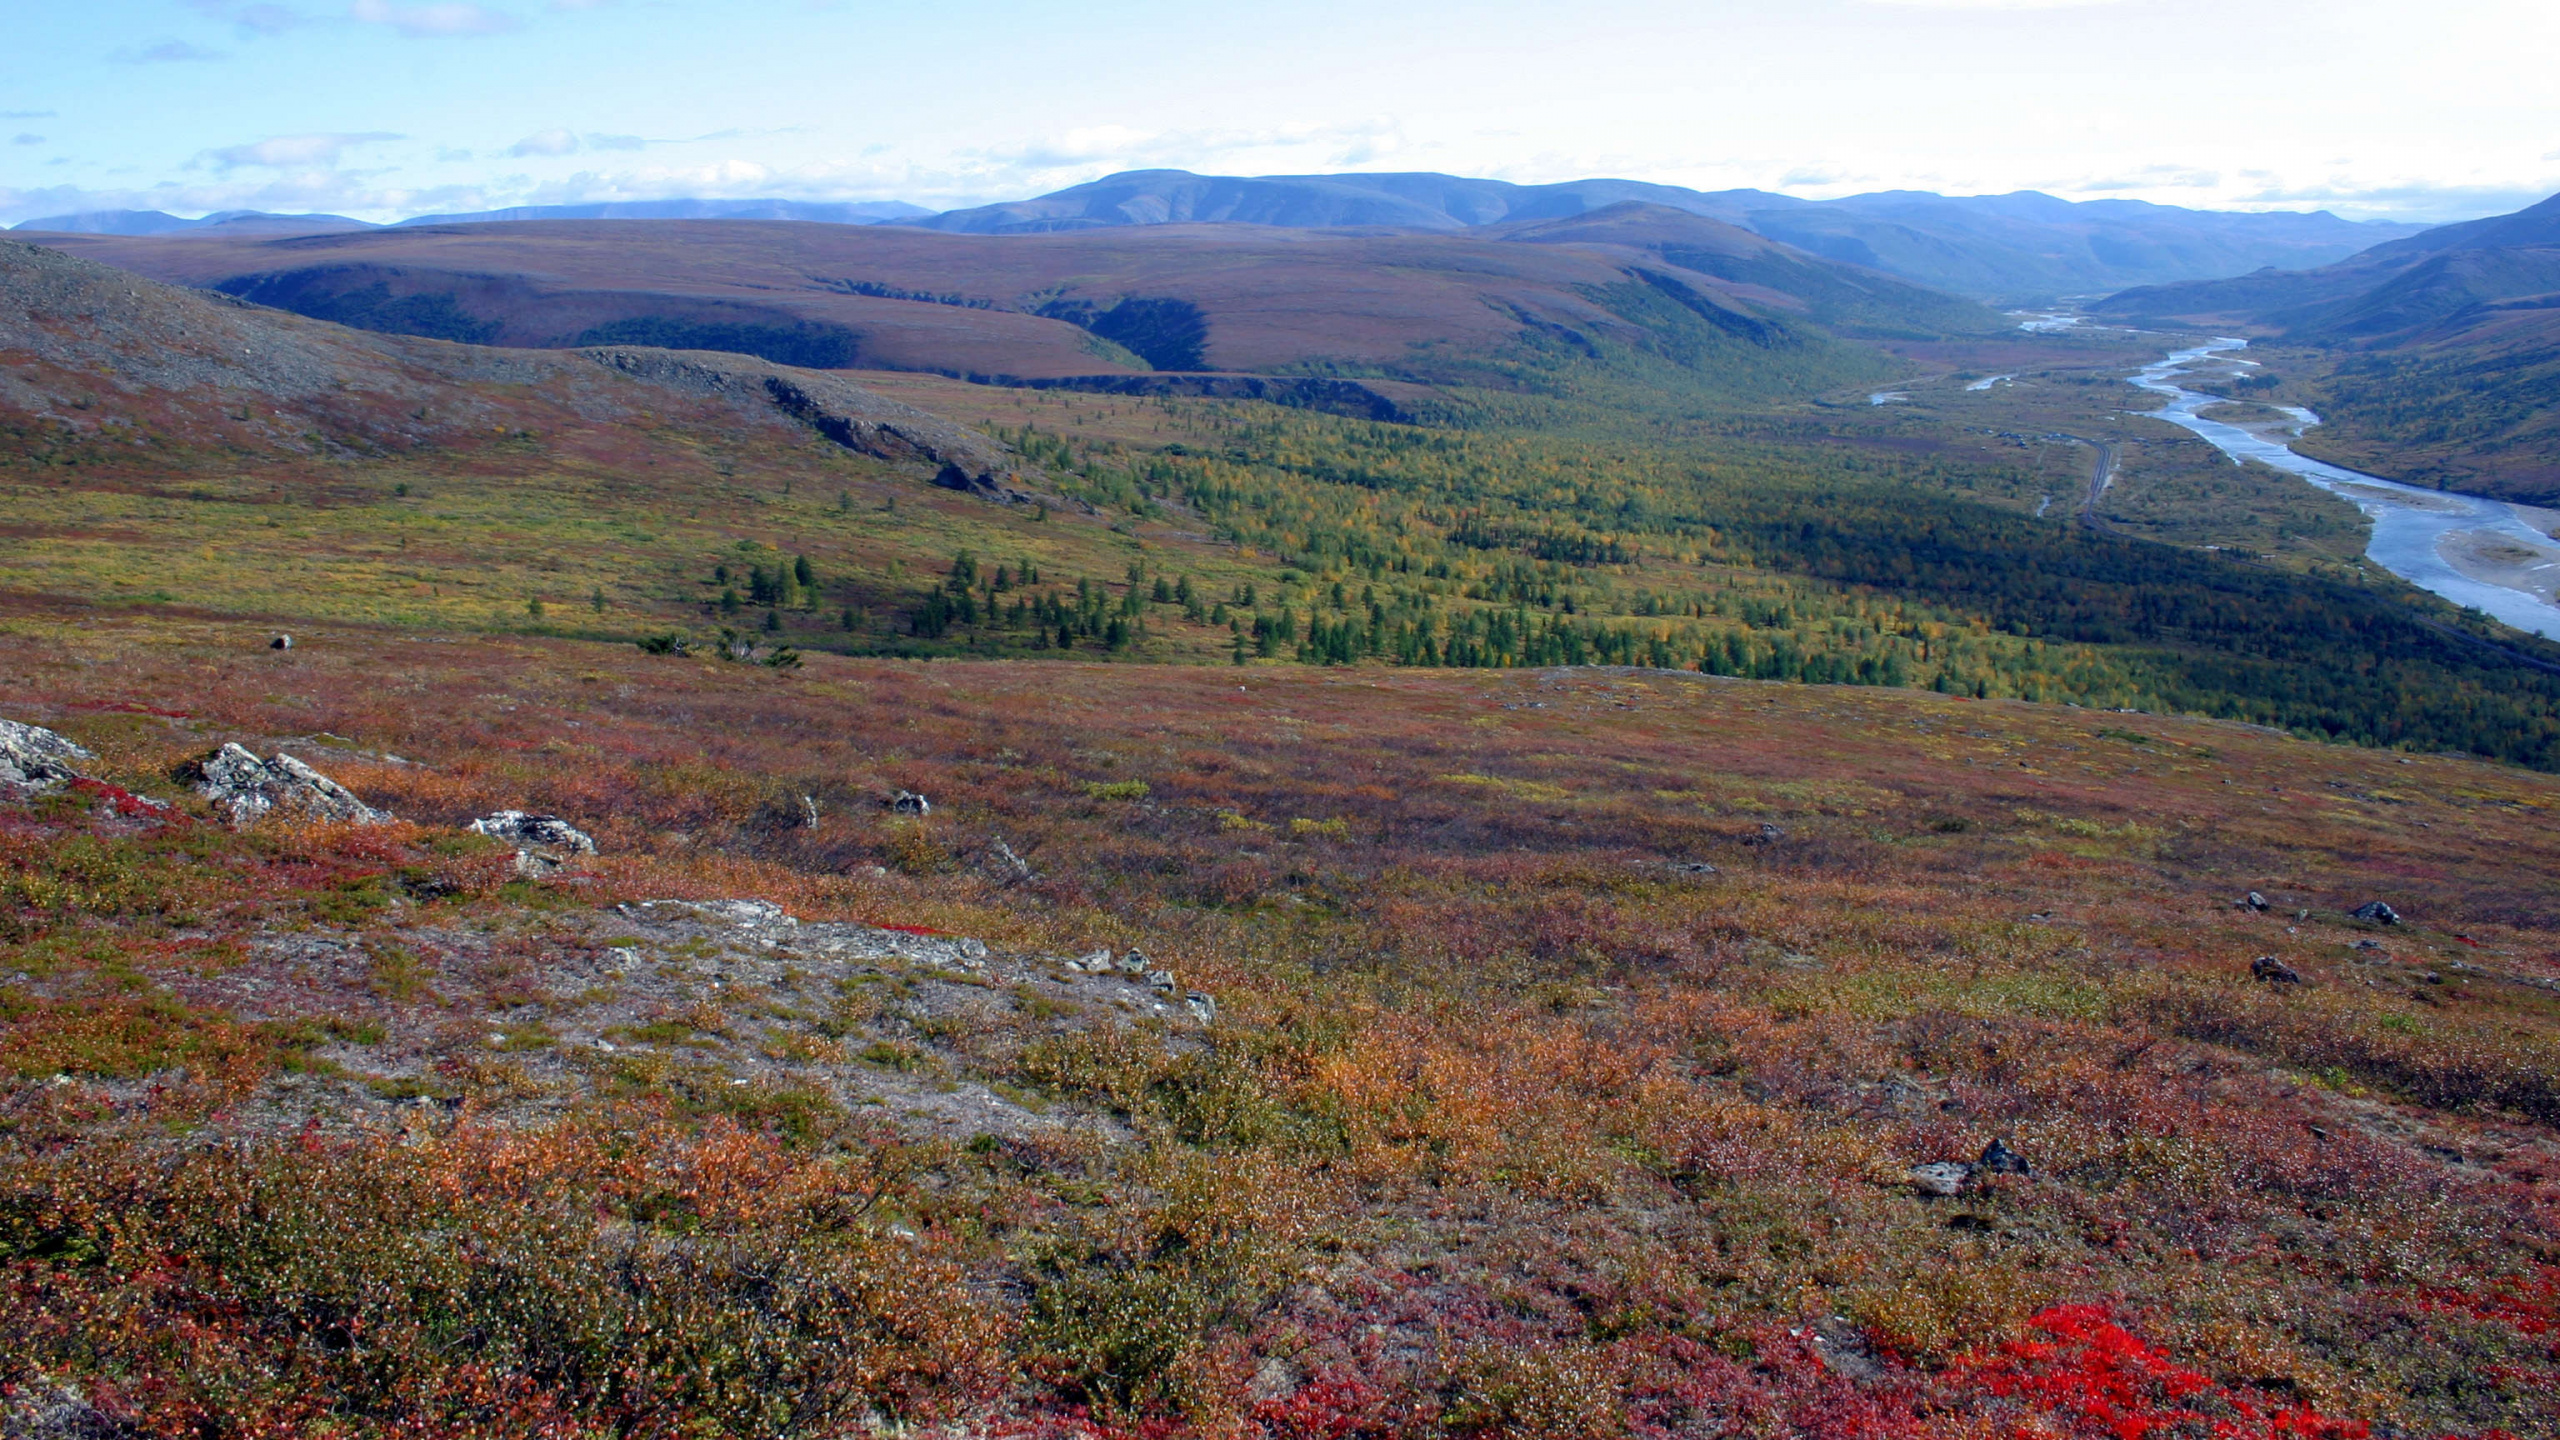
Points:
x=385 y=108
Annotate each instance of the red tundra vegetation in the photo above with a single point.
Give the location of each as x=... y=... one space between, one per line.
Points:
x=1567 y=1053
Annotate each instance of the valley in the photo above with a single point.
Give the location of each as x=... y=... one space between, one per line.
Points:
x=1575 y=820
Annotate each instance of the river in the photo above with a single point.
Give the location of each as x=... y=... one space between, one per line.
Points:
x=2413 y=529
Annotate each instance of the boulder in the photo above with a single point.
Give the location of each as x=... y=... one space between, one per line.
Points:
x=1940 y=1177
x=2254 y=901
x=1769 y=834
x=544 y=843
x=251 y=789
x=2374 y=912
x=2267 y=969
x=35 y=761
x=911 y=803
x=1999 y=1159
x=281 y=642
x=1203 y=1008
x=1136 y=963
x=1162 y=981
x=1097 y=963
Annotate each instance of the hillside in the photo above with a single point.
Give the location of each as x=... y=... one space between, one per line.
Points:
x=1578 y=1054
x=2432 y=358
x=1478 y=309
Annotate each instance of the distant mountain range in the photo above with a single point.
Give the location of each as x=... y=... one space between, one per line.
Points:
x=859 y=212
x=2004 y=247
x=1996 y=247
x=155 y=222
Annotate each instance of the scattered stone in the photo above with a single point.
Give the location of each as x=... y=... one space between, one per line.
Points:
x=1999 y=1159
x=1203 y=1008
x=281 y=642
x=1769 y=835
x=2254 y=901
x=1692 y=867
x=544 y=843
x=252 y=789
x=1097 y=963
x=2270 y=970
x=35 y=761
x=1136 y=963
x=2374 y=912
x=1941 y=1177
x=911 y=803
x=1162 y=980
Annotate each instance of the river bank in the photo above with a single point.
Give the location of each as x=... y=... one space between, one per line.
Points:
x=2491 y=555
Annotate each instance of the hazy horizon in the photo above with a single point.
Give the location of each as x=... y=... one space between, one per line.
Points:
x=384 y=110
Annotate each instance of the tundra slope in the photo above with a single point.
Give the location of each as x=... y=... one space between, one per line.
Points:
x=1590 y=1057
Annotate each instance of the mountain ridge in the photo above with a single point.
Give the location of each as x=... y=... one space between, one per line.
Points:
x=2023 y=245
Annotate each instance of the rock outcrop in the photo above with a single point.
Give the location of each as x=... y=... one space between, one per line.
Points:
x=545 y=844
x=35 y=761
x=250 y=789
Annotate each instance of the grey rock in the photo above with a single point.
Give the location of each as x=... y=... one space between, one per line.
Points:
x=2267 y=969
x=1203 y=1008
x=1692 y=867
x=1162 y=980
x=1097 y=963
x=2374 y=912
x=911 y=803
x=747 y=914
x=1012 y=868
x=1768 y=834
x=2254 y=901
x=1940 y=1177
x=35 y=761
x=544 y=843
x=535 y=832
x=43 y=1411
x=1999 y=1159
x=281 y=642
x=251 y=789
x=1136 y=963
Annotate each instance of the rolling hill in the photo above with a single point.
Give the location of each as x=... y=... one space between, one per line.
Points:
x=1104 y=307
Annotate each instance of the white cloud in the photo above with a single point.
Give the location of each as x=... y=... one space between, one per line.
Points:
x=285 y=152
x=545 y=142
x=616 y=142
x=425 y=21
x=26 y=139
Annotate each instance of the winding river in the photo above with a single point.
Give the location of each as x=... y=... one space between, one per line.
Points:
x=2436 y=540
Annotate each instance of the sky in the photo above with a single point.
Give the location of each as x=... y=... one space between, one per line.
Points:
x=2426 y=110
